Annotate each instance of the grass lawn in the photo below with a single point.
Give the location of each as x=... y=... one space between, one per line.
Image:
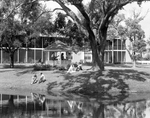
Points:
x=115 y=78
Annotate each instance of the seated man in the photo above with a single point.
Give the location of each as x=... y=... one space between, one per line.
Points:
x=34 y=79
x=42 y=78
x=79 y=67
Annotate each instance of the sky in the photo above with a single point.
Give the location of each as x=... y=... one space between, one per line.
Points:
x=144 y=8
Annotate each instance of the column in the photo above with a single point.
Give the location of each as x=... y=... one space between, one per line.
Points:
x=26 y=54
x=112 y=51
x=108 y=56
x=34 y=55
x=117 y=50
x=18 y=56
x=121 y=52
x=60 y=59
x=1 y=99
x=34 y=51
x=17 y=100
x=42 y=51
x=60 y=108
x=1 y=55
x=48 y=56
x=26 y=103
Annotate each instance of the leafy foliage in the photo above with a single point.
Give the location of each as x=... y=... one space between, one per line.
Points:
x=30 y=11
x=44 y=24
x=60 y=21
x=70 y=30
x=131 y=30
x=19 y=24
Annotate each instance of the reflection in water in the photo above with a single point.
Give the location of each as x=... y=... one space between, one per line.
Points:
x=40 y=106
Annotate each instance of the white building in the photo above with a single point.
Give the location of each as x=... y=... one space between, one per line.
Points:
x=115 y=52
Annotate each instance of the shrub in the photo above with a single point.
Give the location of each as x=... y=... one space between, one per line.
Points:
x=62 y=68
x=38 y=67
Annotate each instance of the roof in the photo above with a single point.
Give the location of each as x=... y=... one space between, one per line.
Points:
x=58 y=46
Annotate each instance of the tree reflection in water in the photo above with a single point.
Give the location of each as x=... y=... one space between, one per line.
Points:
x=37 y=106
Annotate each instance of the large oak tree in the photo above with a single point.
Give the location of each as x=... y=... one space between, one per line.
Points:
x=99 y=15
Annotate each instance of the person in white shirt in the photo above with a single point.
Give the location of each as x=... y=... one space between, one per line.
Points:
x=42 y=78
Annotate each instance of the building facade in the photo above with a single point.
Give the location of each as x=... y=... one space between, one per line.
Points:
x=115 y=52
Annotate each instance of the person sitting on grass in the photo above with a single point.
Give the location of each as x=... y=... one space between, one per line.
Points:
x=71 y=69
x=79 y=67
x=74 y=67
x=42 y=78
x=34 y=79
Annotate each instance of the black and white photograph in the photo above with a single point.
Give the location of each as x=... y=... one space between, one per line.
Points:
x=74 y=58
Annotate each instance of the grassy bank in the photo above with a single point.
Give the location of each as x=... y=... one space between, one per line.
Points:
x=115 y=78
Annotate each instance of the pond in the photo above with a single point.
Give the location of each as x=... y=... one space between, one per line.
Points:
x=64 y=105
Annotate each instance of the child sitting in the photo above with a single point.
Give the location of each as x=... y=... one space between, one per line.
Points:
x=79 y=67
x=34 y=79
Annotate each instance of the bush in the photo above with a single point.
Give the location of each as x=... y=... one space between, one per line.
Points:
x=62 y=68
x=38 y=67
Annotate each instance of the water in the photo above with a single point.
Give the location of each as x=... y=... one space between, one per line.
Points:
x=14 y=104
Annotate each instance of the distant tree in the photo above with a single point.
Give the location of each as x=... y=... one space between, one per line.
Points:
x=132 y=31
x=139 y=47
x=17 y=21
x=11 y=29
x=136 y=35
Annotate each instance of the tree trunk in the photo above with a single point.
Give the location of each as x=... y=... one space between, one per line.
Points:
x=134 y=63
x=134 y=60
x=102 y=44
x=97 y=58
x=12 y=60
x=99 y=113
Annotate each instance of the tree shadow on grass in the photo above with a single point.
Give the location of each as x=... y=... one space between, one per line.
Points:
x=127 y=74
x=89 y=82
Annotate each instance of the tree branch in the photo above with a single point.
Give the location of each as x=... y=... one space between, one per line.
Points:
x=69 y=12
